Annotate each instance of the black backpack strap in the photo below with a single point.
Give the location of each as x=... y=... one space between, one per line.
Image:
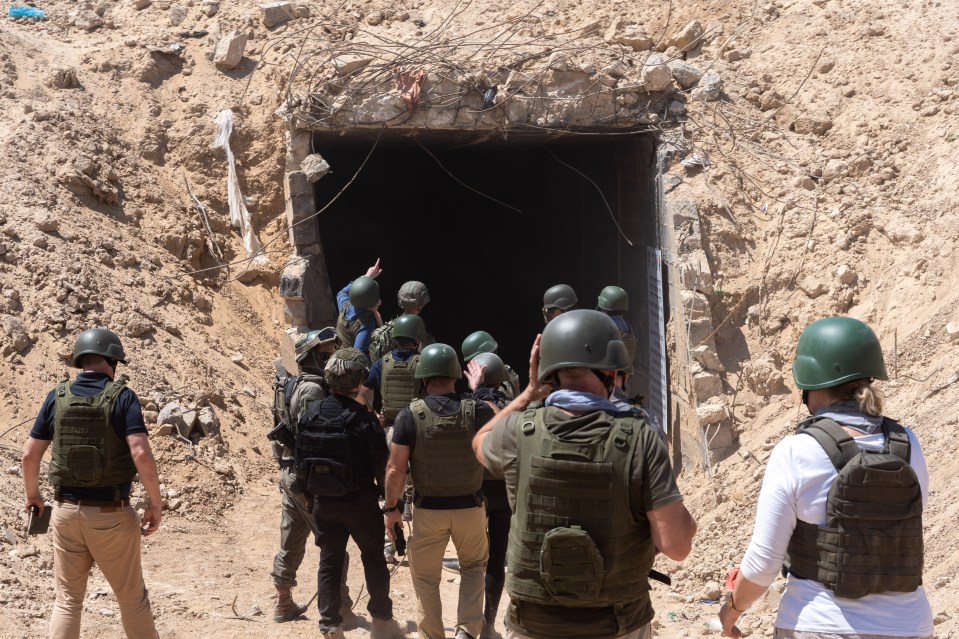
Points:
x=838 y=444
x=897 y=439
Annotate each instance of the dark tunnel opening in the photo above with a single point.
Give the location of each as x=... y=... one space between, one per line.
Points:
x=487 y=265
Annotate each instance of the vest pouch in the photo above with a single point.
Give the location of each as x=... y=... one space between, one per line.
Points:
x=571 y=566
x=329 y=478
x=85 y=464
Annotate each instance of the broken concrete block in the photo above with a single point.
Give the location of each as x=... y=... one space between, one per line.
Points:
x=164 y=429
x=952 y=330
x=349 y=63
x=687 y=37
x=314 y=167
x=846 y=275
x=629 y=35
x=276 y=13
x=297 y=185
x=207 y=422
x=707 y=385
x=686 y=75
x=712 y=412
x=292 y=281
x=656 y=75
x=229 y=51
x=709 y=88
x=695 y=304
x=706 y=355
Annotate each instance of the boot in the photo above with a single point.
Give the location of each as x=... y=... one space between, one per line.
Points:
x=285 y=608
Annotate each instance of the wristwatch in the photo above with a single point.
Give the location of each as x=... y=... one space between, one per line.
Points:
x=388 y=510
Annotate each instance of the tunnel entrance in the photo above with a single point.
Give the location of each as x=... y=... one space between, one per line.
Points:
x=426 y=208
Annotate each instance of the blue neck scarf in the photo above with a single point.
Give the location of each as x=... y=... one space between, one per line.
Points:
x=581 y=402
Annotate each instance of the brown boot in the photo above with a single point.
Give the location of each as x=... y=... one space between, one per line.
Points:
x=286 y=609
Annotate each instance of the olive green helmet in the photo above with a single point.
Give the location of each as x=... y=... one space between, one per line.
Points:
x=346 y=369
x=413 y=296
x=409 y=327
x=364 y=293
x=476 y=343
x=495 y=372
x=438 y=360
x=836 y=350
x=98 y=341
x=582 y=338
x=561 y=296
x=613 y=298
x=308 y=341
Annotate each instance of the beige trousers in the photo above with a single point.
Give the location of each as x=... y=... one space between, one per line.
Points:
x=643 y=632
x=432 y=531
x=782 y=633
x=83 y=535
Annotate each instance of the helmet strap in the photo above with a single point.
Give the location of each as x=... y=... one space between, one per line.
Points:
x=805 y=398
x=608 y=382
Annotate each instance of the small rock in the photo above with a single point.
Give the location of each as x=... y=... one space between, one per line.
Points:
x=210 y=9
x=347 y=64
x=23 y=551
x=106 y=612
x=177 y=15
x=88 y=20
x=952 y=330
x=558 y=61
x=632 y=36
x=709 y=88
x=846 y=275
x=276 y=13
x=616 y=70
x=735 y=55
x=686 y=75
x=208 y=422
x=687 y=37
x=314 y=166
x=804 y=182
x=375 y=18
x=656 y=74
x=229 y=51
x=165 y=429
x=941 y=581
x=237 y=359
x=223 y=468
x=810 y=124
x=711 y=590
x=833 y=169
x=175 y=504
x=16 y=332
x=140 y=5
x=712 y=412
x=150 y=416
x=249 y=390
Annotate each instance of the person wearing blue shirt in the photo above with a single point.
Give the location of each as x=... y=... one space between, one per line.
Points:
x=358 y=304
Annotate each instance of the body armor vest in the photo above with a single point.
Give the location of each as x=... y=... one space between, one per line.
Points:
x=86 y=450
x=573 y=540
x=443 y=463
x=872 y=540
x=346 y=330
x=398 y=385
x=511 y=387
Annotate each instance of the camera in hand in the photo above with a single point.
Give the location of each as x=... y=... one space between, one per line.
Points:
x=400 y=543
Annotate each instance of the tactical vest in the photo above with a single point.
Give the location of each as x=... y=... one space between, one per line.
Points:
x=510 y=387
x=443 y=462
x=283 y=435
x=398 y=385
x=324 y=455
x=629 y=339
x=872 y=540
x=573 y=541
x=346 y=330
x=381 y=341
x=86 y=450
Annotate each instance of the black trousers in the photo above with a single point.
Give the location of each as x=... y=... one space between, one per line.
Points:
x=338 y=520
x=498 y=517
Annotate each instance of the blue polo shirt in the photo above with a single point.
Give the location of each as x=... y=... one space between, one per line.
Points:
x=126 y=419
x=368 y=319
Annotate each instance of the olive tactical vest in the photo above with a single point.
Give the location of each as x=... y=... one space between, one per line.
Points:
x=573 y=540
x=443 y=462
x=872 y=540
x=511 y=387
x=86 y=451
x=398 y=384
x=346 y=330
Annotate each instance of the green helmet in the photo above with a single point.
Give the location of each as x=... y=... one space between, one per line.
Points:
x=836 y=350
x=613 y=298
x=561 y=296
x=412 y=296
x=98 y=341
x=582 y=338
x=364 y=293
x=438 y=360
x=346 y=369
x=495 y=373
x=308 y=341
x=410 y=327
x=476 y=343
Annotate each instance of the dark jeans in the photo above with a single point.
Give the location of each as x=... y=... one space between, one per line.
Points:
x=497 y=524
x=338 y=520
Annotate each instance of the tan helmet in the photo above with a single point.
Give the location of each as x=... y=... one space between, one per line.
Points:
x=413 y=296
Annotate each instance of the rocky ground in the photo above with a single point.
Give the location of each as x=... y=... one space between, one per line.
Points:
x=830 y=188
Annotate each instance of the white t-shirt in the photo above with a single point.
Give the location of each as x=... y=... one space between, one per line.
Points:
x=795 y=486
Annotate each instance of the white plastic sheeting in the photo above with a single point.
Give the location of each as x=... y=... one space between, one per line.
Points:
x=239 y=215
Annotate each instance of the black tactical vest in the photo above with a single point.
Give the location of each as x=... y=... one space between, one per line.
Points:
x=573 y=540
x=872 y=540
x=86 y=450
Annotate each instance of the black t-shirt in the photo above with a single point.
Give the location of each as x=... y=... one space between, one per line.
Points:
x=404 y=428
x=126 y=419
x=366 y=436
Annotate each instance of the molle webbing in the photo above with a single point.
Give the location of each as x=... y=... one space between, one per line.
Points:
x=565 y=487
x=510 y=387
x=86 y=450
x=872 y=540
x=398 y=385
x=443 y=462
x=346 y=330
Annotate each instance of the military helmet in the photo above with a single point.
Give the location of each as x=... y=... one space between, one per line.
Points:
x=346 y=369
x=364 y=293
x=476 y=343
x=613 y=298
x=836 y=350
x=308 y=341
x=98 y=341
x=410 y=327
x=495 y=373
x=438 y=360
x=412 y=296
x=561 y=296
x=582 y=338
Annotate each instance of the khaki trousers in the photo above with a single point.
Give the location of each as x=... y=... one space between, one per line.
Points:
x=432 y=531
x=643 y=632
x=782 y=633
x=83 y=535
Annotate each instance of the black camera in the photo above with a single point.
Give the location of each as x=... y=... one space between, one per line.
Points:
x=400 y=543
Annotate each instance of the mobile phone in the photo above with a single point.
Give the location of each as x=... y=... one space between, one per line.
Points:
x=38 y=524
